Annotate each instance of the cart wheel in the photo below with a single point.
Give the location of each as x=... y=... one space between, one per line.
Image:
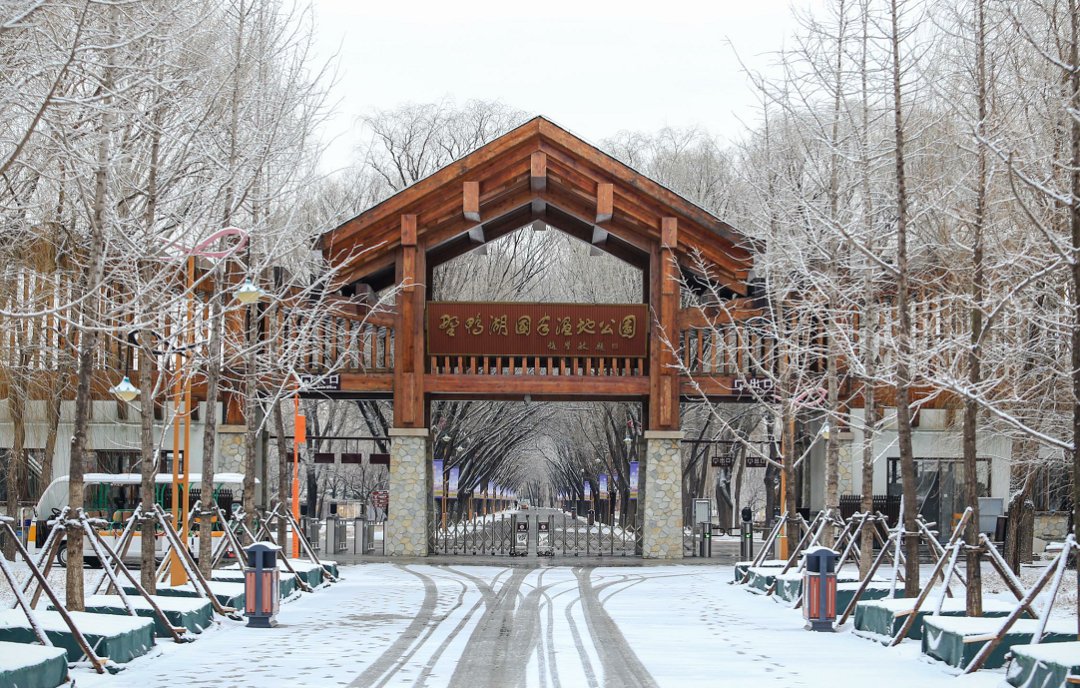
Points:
x=61 y=556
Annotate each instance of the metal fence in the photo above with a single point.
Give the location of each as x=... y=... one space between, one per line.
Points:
x=543 y=535
x=483 y=535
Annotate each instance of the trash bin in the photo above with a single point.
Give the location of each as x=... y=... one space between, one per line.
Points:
x=819 y=588
x=262 y=582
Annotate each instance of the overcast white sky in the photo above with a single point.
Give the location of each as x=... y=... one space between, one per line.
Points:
x=593 y=66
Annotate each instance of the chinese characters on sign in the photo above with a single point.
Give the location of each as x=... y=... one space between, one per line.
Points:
x=754 y=385
x=537 y=329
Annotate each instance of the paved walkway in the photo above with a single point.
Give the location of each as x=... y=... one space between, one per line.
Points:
x=560 y=627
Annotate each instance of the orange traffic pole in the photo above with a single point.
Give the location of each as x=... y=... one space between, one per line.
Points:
x=299 y=435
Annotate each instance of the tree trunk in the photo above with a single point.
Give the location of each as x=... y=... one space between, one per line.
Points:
x=791 y=529
x=903 y=335
x=52 y=412
x=210 y=425
x=866 y=546
x=974 y=357
x=1074 y=228
x=832 y=444
x=147 y=559
x=284 y=476
x=148 y=467
x=93 y=276
x=15 y=471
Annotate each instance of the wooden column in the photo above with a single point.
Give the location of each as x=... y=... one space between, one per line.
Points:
x=664 y=301
x=409 y=406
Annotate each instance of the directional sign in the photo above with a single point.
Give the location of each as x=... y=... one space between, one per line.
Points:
x=320 y=383
x=381 y=499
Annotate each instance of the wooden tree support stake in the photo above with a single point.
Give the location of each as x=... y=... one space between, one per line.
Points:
x=105 y=553
x=97 y=662
x=991 y=645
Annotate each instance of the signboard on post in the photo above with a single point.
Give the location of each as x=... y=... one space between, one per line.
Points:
x=521 y=537
x=633 y=480
x=702 y=511
x=461 y=328
x=603 y=486
x=380 y=499
x=543 y=538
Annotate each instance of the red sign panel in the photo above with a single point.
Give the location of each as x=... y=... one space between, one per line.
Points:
x=537 y=329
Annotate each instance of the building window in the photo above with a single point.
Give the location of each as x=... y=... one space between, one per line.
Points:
x=939 y=484
x=115 y=461
x=33 y=486
x=1052 y=488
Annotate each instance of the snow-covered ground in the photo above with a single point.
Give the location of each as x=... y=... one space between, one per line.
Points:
x=483 y=626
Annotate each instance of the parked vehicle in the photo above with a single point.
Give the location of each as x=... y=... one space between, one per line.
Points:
x=112 y=497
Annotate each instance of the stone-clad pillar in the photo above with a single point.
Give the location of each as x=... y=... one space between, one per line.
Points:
x=662 y=534
x=410 y=493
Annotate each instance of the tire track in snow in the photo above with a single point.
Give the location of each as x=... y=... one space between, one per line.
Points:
x=619 y=661
x=412 y=638
x=501 y=641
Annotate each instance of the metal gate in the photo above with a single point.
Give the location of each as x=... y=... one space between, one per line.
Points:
x=577 y=537
x=490 y=535
x=549 y=534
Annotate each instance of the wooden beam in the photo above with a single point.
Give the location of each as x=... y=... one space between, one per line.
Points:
x=367 y=382
x=664 y=300
x=470 y=202
x=605 y=201
x=408 y=230
x=538 y=171
x=736 y=310
x=669 y=232
x=408 y=247
x=409 y=406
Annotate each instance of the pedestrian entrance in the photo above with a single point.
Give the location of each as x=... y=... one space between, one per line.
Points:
x=534 y=533
x=639 y=347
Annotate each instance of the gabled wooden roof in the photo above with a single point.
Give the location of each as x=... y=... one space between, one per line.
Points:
x=538 y=171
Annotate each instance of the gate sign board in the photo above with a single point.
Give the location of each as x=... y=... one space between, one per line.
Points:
x=521 y=536
x=543 y=538
x=461 y=328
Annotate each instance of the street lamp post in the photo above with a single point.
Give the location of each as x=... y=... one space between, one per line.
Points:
x=127 y=392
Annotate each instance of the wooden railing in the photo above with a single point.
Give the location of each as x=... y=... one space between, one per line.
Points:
x=731 y=349
x=538 y=365
x=349 y=344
